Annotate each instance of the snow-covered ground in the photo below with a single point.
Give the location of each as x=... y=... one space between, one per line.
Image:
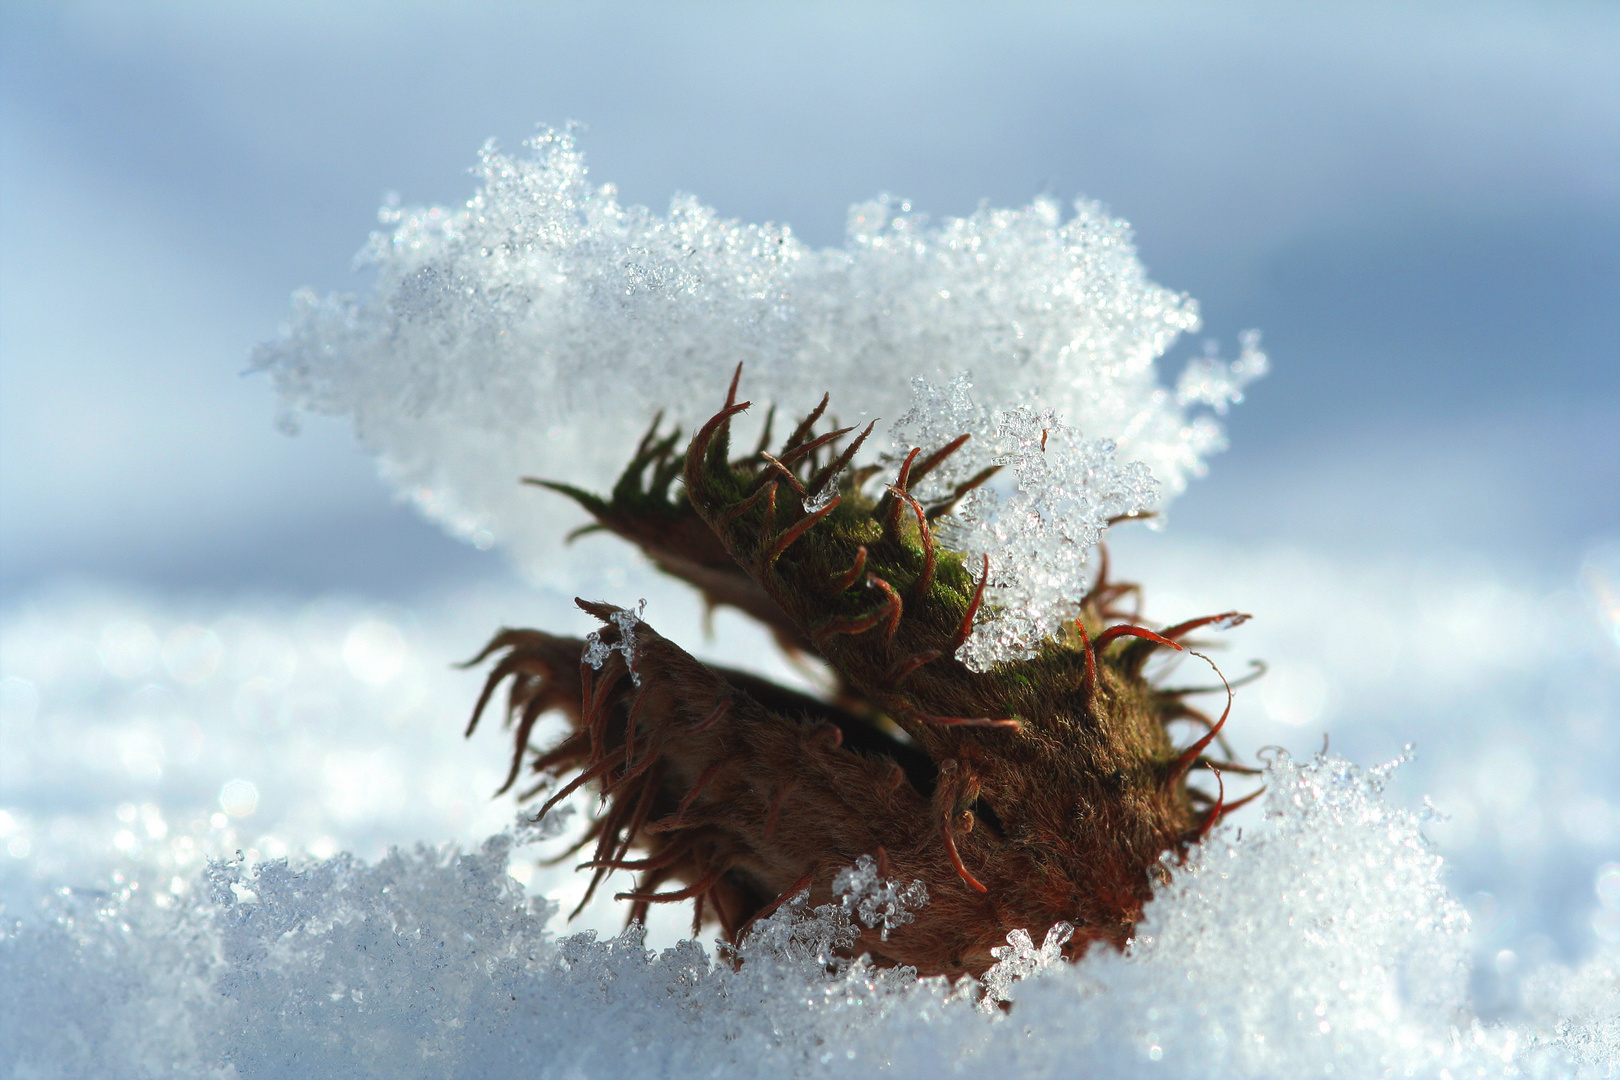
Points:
x=202 y=878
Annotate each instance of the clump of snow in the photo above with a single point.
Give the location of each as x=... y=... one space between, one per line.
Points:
x=538 y=328
x=1321 y=942
x=1369 y=967
x=1038 y=526
x=877 y=901
x=1581 y=1012
x=939 y=413
x=1038 y=535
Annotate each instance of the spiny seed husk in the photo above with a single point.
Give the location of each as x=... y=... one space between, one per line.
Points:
x=1041 y=791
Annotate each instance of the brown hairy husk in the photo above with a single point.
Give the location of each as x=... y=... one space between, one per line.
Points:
x=1041 y=791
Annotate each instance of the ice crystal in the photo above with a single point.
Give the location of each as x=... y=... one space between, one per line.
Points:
x=597 y=651
x=1037 y=523
x=938 y=415
x=1218 y=383
x=875 y=900
x=1019 y=959
x=531 y=829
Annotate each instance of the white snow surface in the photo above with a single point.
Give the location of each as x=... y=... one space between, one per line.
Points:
x=1321 y=943
x=539 y=328
x=144 y=739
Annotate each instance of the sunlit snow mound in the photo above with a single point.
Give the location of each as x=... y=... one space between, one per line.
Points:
x=1319 y=944
x=538 y=329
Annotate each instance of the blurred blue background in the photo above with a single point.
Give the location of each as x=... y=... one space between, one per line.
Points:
x=1418 y=204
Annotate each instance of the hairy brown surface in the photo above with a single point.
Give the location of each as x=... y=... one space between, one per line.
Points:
x=1041 y=791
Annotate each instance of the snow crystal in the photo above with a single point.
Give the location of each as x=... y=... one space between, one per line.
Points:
x=877 y=901
x=938 y=415
x=1322 y=942
x=1019 y=959
x=531 y=829
x=538 y=328
x=597 y=651
x=1038 y=525
x=1217 y=383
